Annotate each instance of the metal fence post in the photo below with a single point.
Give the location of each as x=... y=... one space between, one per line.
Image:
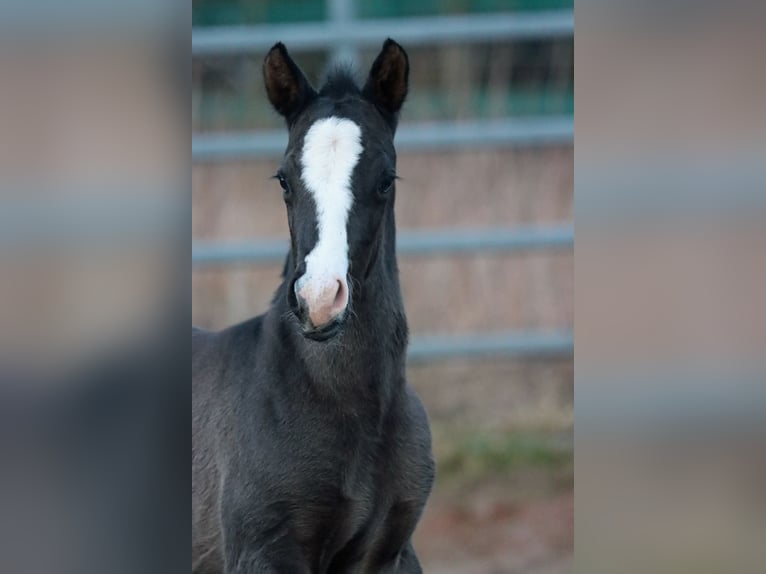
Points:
x=341 y=14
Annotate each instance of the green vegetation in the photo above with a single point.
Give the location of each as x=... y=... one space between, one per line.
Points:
x=474 y=455
x=237 y=12
x=251 y=111
x=522 y=79
x=436 y=104
x=234 y=12
x=400 y=8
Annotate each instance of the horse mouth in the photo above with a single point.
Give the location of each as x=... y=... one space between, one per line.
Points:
x=325 y=332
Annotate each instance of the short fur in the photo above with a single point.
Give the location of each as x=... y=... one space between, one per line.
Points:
x=310 y=453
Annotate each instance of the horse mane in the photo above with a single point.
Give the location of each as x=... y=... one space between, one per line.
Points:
x=340 y=81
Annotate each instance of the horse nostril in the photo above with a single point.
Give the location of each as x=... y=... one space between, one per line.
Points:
x=340 y=300
x=340 y=295
x=298 y=284
x=321 y=301
x=297 y=302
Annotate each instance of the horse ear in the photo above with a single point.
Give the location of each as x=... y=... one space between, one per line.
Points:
x=288 y=89
x=387 y=83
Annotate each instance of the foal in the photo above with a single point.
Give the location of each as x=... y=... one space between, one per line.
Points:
x=310 y=453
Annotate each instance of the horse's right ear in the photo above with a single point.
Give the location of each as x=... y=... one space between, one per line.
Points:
x=288 y=89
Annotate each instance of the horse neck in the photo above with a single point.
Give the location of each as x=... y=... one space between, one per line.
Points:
x=372 y=348
x=378 y=309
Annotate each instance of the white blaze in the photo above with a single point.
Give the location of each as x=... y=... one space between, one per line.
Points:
x=331 y=150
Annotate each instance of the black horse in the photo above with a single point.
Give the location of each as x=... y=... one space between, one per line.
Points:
x=310 y=453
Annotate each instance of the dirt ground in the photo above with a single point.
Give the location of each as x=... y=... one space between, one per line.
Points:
x=486 y=532
x=503 y=499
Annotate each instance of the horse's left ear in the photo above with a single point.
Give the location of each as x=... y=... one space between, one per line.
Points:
x=387 y=83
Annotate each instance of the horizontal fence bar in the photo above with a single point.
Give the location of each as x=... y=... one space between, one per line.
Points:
x=414 y=137
x=412 y=243
x=410 y=32
x=478 y=345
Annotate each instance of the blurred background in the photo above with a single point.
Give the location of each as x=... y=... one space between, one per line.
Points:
x=484 y=212
x=94 y=251
x=671 y=401
x=671 y=322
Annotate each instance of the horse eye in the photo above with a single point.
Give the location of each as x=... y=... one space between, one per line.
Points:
x=286 y=192
x=385 y=186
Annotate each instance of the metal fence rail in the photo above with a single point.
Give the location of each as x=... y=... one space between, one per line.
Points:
x=411 y=243
x=410 y=31
x=426 y=137
x=476 y=345
x=429 y=243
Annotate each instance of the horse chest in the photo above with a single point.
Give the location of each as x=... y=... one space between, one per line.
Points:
x=331 y=518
